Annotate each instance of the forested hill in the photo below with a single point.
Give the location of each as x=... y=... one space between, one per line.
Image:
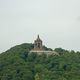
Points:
x=17 y=64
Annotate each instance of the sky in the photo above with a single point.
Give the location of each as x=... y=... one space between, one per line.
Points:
x=56 y=21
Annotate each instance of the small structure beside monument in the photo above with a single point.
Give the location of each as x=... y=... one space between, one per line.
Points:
x=39 y=49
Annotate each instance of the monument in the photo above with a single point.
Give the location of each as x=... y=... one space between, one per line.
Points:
x=38 y=44
x=38 y=48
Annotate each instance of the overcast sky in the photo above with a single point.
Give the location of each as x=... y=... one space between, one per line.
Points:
x=56 y=21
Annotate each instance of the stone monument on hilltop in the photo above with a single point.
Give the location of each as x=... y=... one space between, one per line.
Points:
x=38 y=44
x=38 y=48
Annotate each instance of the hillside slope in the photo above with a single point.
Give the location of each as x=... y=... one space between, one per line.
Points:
x=17 y=64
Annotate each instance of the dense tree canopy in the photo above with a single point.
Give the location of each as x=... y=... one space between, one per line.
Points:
x=18 y=64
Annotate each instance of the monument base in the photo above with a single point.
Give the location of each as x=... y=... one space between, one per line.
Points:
x=40 y=52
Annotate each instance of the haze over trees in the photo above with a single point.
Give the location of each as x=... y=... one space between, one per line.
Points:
x=17 y=64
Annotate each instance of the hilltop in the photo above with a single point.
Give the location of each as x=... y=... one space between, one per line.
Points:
x=17 y=64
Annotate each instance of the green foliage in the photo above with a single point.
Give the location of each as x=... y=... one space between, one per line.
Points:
x=18 y=64
x=47 y=49
x=61 y=51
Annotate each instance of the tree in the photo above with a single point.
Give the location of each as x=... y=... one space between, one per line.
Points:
x=37 y=77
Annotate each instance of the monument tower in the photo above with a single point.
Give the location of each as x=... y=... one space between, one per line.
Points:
x=38 y=44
